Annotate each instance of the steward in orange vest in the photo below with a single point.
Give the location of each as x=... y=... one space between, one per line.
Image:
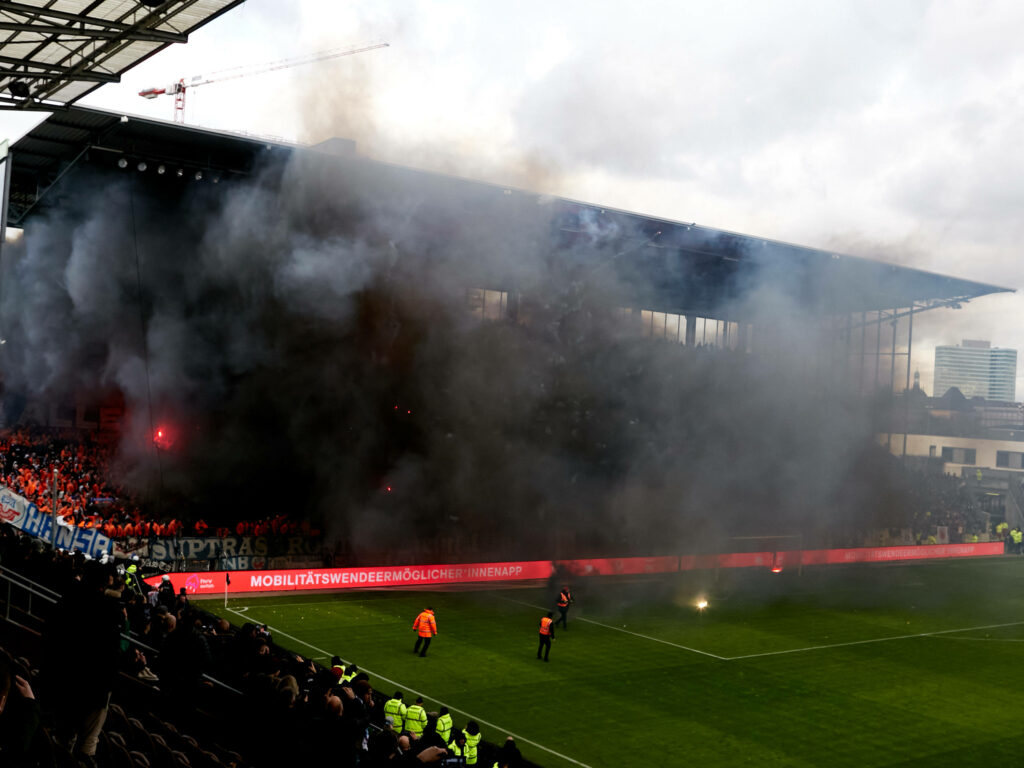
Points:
x=564 y=601
x=426 y=628
x=547 y=634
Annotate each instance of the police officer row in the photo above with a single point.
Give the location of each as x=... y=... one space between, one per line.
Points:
x=413 y=720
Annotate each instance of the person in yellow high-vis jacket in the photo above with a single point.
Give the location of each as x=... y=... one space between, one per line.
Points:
x=396 y=709
x=473 y=737
x=416 y=718
x=444 y=725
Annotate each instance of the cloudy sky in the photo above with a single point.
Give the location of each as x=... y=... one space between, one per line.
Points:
x=886 y=130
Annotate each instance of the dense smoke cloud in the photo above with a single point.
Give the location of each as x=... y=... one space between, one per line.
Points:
x=307 y=333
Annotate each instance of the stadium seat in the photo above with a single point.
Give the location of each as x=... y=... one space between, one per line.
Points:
x=117 y=755
x=115 y=714
x=162 y=756
x=115 y=737
x=138 y=737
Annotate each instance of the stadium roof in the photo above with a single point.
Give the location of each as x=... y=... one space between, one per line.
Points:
x=675 y=266
x=54 y=52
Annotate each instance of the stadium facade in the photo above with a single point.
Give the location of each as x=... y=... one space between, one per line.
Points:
x=633 y=378
x=689 y=284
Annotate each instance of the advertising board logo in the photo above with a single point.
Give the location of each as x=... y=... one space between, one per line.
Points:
x=192 y=583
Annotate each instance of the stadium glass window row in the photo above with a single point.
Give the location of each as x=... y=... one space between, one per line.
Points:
x=959 y=455
x=1010 y=459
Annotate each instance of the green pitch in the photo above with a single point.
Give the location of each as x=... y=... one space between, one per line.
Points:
x=909 y=665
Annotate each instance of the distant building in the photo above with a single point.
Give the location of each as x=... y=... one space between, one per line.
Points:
x=978 y=370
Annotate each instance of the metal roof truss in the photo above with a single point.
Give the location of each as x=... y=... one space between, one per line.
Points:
x=56 y=51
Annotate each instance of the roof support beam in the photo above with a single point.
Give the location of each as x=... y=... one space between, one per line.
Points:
x=48 y=70
x=152 y=35
x=34 y=12
x=29 y=105
x=18 y=216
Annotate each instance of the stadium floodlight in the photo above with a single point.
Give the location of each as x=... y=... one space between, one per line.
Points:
x=701 y=605
x=122 y=163
x=181 y=172
x=142 y=165
x=18 y=89
x=160 y=169
x=199 y=175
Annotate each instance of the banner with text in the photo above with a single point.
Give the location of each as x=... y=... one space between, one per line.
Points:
x=213 y=547
x=622 y=566
x=893 y=554
x=23 y=514
x=213 y=583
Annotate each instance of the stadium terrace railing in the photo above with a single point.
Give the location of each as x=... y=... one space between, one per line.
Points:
x=17 y=586
x=1017 y=497
x=22 y=597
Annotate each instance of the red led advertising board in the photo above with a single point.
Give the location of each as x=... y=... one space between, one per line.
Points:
x=331 y=579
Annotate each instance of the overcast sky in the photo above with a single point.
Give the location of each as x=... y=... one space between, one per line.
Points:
x=886 y=130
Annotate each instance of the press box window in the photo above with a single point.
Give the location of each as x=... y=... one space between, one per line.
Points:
x=959 y=455
x=1010 y=459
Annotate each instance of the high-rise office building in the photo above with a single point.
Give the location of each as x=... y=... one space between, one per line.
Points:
x=977 y=369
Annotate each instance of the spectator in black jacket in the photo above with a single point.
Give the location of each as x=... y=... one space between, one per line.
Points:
x=19 y=716
x=429 y=737
x=184 y=657
x=90 y=612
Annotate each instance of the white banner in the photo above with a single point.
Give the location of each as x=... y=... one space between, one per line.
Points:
x=23 y=514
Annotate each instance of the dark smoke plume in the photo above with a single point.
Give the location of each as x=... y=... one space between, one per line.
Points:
x=308 y=334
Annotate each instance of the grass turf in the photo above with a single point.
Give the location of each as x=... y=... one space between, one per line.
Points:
x=895 y=665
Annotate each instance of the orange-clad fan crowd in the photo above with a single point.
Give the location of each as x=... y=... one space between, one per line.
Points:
x=34 y=462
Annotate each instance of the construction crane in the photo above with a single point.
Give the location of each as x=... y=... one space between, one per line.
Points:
x=180 y=88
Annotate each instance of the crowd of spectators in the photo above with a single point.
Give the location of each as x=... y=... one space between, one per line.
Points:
x=276 y=707
x=943 y=500
x=33 y=461
x=287 y=709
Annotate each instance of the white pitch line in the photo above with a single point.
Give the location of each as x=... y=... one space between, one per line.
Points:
x=626 y=631
x=790 y=650
x=431 y=698
x=872 y=640
x=300 y=603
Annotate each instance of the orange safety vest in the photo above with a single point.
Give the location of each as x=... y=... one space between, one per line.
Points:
x=563 y=599
x=425 y=625
x=545 y=626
